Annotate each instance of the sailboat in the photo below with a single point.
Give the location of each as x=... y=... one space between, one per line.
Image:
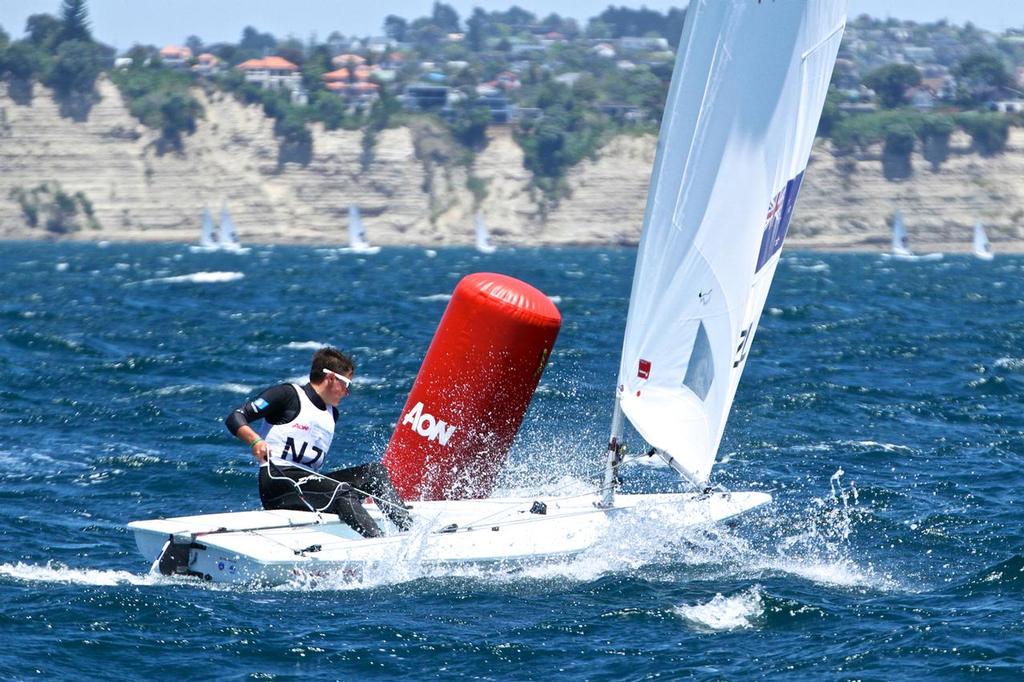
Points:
x=227 y=237
x=206 y=242
x=745 y=99
x=483 y=239
x=901 y=245
x=357 y=242
x=982 y=247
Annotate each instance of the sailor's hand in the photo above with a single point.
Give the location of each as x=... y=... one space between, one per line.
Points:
x=260 y=450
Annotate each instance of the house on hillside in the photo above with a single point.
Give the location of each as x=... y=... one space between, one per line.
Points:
x=275 y=72
x=208 y=64
x=175 y=56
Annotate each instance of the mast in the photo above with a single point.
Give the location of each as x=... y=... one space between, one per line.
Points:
x=613 y=458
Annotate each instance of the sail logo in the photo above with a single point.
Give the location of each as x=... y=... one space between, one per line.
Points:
x=780 y=211
x=427 y=425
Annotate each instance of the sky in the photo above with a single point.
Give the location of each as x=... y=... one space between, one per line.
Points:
x=122 y=23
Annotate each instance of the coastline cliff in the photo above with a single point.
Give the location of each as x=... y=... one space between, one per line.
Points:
x=138 y=194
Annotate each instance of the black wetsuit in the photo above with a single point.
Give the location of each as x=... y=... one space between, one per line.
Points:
x=292 y=487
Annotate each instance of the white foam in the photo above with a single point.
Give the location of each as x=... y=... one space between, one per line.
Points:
x=1010 y=363
x=435 y=297
x=304 y=345
x=555 y=299
x=57 y=573
x=229 y=387
x=735 y=612
x=215 y=277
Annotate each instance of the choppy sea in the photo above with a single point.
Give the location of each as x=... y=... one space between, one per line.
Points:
x=882 y=407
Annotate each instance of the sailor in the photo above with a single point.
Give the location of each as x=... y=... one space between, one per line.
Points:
x=298 y=426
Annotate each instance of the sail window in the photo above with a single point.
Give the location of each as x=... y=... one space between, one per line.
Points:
x=700 y=372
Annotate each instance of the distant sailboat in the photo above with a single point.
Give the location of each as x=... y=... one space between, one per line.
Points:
x=901 y=245
x=357 y=242
x=206 y=242
x=483 y=239
x=227 y=237
x=982 y=246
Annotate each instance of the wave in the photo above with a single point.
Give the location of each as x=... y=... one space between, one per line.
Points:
x=1006 y=576
x=214 y=277
x=304 y=345
x=435 y=297
x=734 y=612
x=54 y=572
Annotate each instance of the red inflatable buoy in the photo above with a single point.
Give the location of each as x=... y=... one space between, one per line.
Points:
x=473 y=389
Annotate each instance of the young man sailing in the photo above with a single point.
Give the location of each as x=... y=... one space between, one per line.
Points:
x=292 y=446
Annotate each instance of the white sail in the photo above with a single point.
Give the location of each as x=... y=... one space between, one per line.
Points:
x=483 y=240
x=739 y=122
x=900 y=243
x=227 y=237
x=357 y=242
x=206 y=233
x=982 y=246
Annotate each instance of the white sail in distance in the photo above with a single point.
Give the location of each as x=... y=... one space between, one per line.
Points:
x=483 y=239
x=206 y=233
x=749 y=85
x=900 y=243
x=227 y=237
x=982 y=246
x=356 y=235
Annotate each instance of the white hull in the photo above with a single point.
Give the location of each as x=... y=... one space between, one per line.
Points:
x=984 y=255
x=912 y=256
x=273 y=547
x=362 y=250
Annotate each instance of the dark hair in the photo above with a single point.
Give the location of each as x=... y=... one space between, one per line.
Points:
x=332 y=359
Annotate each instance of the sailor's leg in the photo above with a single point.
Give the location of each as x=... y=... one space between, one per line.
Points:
x=292 y=488
x=373 y=478
x=278 y=489
x=350 y=510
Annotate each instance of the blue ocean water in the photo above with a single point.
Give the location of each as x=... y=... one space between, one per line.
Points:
x=881 y=406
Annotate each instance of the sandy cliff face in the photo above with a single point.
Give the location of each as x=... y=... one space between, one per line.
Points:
x=139 y=194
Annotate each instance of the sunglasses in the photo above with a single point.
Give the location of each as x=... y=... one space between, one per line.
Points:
x=340 y=377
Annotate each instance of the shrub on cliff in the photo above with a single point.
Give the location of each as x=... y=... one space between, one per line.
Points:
x=565 y=134
x=989 y=132
x=19 y=64
x=899 y=144
x=161 y=99
x=59 y=212
x=934 y=133
x=72 y=76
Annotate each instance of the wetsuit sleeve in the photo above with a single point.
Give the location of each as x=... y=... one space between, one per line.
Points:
x=277 y=405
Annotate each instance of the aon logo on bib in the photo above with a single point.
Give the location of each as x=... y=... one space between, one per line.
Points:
x=427 y=426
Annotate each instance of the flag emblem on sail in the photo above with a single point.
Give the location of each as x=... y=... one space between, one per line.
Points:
x=780 y=211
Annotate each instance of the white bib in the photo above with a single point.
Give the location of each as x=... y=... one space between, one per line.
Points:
x=304 y=440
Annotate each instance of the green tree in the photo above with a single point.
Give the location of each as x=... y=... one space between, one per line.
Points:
x=476 y=29
x=899 y=145
x=469 y=124
x=445 y=18
x=195 y=44
x=395 y=27
x=75 y=68
x=74 y=19
x=43 y=30
x=890 y=83
x=989 y=131
x=980 y=77
x=934 y=134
